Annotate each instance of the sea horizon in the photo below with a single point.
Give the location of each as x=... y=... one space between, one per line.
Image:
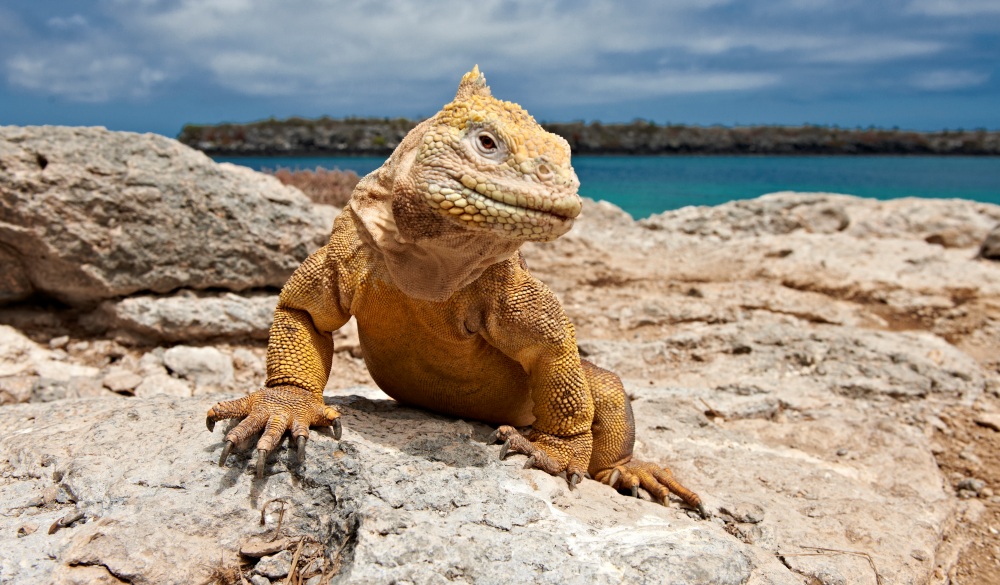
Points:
x=644 y=185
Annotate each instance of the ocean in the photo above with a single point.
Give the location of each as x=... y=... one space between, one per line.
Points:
x=644 y=185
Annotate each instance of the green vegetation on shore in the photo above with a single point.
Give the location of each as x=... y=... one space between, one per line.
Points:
x=378 y=136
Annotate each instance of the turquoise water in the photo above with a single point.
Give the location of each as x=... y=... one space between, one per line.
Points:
x=643 y=185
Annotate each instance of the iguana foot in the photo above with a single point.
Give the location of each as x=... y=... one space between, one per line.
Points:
x=551 y=454
x=656 y=480
x=273 y=410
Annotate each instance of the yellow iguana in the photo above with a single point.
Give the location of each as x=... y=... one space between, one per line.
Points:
x=426 y=258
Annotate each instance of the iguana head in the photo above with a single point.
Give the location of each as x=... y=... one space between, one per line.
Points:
x=487 y=165
x=463 y=191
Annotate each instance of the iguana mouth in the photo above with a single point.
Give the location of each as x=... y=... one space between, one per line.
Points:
x=521 y=212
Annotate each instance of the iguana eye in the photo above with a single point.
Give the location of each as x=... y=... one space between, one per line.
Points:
x=486 y=143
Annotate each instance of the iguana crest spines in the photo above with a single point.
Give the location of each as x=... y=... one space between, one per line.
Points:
x=473 y=83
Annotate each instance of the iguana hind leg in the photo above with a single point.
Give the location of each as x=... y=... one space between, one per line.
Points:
x=614 y=435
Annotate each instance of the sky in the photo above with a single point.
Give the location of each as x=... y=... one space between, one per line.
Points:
x=154 y=65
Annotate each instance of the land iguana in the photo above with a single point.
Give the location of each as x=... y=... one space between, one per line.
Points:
x=426 y=258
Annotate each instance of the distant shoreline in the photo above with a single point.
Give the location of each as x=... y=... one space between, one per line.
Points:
x=378 y=137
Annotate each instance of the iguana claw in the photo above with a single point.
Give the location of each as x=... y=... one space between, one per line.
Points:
x=530 y=462
x=337 y=429
x=300 y=448
x=615 y=476
x=225 y=453
x=504 y=448
x=635 y=491
x=493 y=437
x=573 y=480
x=261 y=461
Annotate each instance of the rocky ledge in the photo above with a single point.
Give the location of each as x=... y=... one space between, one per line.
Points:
x=823 y=369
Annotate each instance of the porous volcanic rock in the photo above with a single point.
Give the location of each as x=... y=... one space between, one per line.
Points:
x=87 y=214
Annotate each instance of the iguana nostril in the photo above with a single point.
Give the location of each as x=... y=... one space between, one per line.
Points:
x=543 y=171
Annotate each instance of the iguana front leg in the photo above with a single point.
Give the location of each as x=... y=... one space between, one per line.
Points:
x=527 y=324
x=299 y=354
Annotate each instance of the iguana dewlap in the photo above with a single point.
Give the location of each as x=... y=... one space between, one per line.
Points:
x=426 y=259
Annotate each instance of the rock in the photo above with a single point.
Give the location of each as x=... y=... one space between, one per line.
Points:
x=164 y=384
x=29 y=371
x=18 y=354
x=15 y=389
x=93 y=215
x=151 y=362
x=417 y=496
x=205 y=366
x=50 y=389
x=187 y=317
x=990 y=420
x=949 y=223
x=59 y=342
x=990 y=247
x=415 y=505
x=121 y=381
x=275 y=566
x=972 y=485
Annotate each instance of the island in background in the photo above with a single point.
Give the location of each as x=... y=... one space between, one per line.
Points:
x=379 y=136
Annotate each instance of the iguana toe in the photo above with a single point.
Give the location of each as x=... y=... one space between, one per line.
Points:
x=656 y=480
x=554 y=456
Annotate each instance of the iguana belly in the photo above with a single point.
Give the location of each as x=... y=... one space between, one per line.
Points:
x=422 y=354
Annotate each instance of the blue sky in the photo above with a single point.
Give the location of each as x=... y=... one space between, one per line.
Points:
x=153 y=65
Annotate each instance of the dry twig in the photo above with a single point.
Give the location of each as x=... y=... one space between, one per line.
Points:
x=821 y=552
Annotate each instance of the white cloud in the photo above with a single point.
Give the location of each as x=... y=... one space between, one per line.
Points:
x=948 y=79
x=68 y=22
x=634 y=86
x=78 y=73
x=356 y=50
x=869 y=50
x=954 y=7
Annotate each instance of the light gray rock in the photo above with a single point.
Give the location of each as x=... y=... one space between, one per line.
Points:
x=204 y=366
x=29 y=371
x=950 y=223
x=990 y=247
x=163 y=384
x=187 y=317
x=275 y=566
x=121 y=381
x=15 y=389
x=404 y=497
x=93 y=215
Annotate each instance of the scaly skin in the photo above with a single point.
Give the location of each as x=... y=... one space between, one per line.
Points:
x=426 y=259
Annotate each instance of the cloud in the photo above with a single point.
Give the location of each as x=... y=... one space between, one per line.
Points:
x=351 y=52
x=610 y=87
x=959 y=8
x=78 y=73
x=65 y=23
x=948 y=79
